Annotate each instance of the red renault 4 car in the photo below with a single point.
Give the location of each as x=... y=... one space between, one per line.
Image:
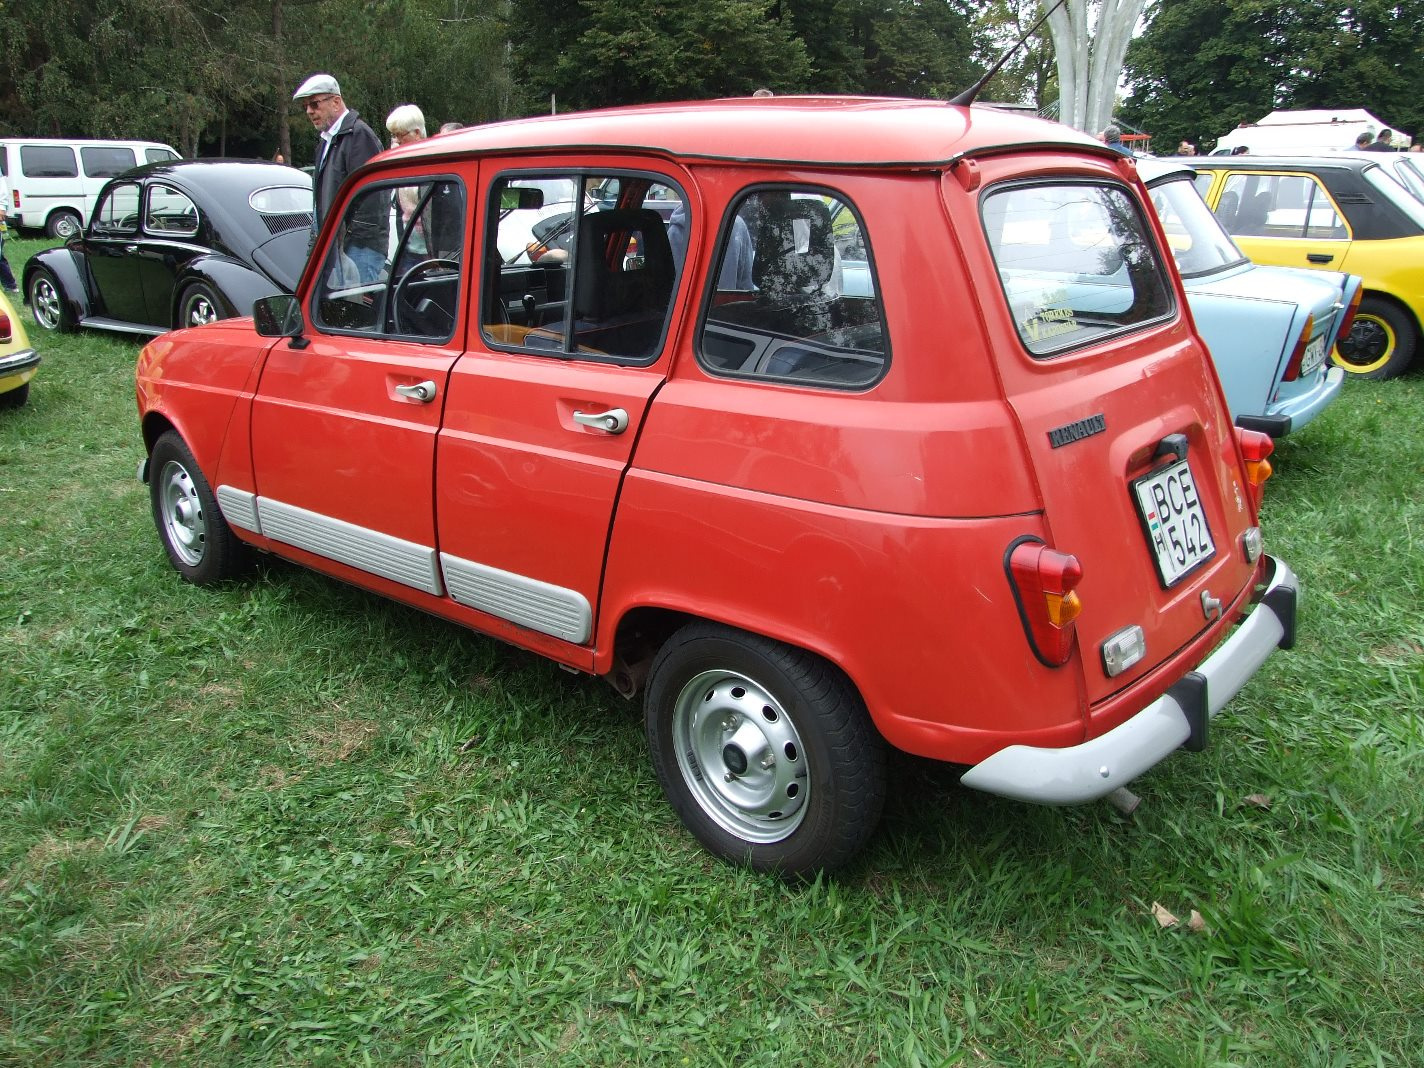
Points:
x=830 y=425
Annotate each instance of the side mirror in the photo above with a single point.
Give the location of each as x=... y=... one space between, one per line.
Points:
x=280 y=316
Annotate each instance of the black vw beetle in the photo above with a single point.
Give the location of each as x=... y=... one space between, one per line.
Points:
x=176 y=244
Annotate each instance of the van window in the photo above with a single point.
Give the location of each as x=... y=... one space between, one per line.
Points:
x=1076 y=262
x=117 y=213
x=591 y=273
x=158 y=155
x=106 y=161
x=48 y=161
x=795 y=295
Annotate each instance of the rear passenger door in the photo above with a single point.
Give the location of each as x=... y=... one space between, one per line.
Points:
x=575 y=318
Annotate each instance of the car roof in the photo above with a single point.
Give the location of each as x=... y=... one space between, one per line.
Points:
x=1343 y=161
x=842 y=130
x=219 y=175
x=1158 y=169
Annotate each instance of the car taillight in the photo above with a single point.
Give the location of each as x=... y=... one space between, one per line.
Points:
x=17 y=197
x=7 y=332
x=1348 y=319
x=1255 y=450
x=1302 y=343
x=1043 y=581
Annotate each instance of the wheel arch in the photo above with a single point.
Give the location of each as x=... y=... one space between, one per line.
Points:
x=64 y=267
x=233 y=283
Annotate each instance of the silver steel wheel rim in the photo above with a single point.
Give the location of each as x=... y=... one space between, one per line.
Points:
x=66 y=227
x=44 y=303
x=741 y=757
x=201 y=310
x=182 y=513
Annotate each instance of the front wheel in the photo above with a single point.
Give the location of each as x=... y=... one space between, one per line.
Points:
x=63 y=225
x=1380 y=343
x=200 y=544
x=199 y=306
x=766 y=752
x=47 y=303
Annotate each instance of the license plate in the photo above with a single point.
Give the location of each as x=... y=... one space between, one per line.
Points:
x=1314 y=356
x=1174 y=521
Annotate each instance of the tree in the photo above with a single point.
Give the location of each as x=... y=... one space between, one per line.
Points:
x=1090 y=39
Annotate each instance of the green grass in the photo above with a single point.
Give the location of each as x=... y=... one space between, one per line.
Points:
x=286 y=822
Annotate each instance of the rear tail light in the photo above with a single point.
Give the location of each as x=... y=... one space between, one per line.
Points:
x=1346 y=321
x=7 y=331
x=1255 y=450
x=16 y=193
x=1302 y=343
x=1043 y=581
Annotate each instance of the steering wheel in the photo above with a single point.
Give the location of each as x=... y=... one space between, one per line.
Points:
x=400 y=299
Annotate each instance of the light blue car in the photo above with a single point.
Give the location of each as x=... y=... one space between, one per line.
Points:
x=1270 y=329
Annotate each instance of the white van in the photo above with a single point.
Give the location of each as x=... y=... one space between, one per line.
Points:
x=53 y=181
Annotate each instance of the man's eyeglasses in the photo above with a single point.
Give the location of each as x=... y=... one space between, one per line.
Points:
x=313 y=102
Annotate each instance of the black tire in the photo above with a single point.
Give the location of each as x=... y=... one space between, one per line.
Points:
x=766 y=752
x=200 y=544
x=63 y=225
x=199 y=305
x=1381 y=341
x=47 y=302
x=15 y=398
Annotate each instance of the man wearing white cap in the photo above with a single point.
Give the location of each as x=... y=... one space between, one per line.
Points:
x=345 y=142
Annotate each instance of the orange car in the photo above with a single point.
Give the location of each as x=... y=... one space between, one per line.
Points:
x=941 y=464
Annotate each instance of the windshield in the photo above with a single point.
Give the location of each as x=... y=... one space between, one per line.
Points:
x=1198 y=243
x=1395 y=193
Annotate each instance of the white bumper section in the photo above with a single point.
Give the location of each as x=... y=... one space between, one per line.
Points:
x=1101 y=765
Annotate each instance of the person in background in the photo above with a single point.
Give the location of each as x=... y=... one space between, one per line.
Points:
x=451 y=127
x=406 y=125
x=1186 y=148
x=1383 y=143
x=1112 y=137
x=1416 y=147
x=1363 y=142
x=344 y=144
x=1241 y=150
x=7 y=276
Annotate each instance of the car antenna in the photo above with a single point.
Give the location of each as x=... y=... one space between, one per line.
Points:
x=966 y=98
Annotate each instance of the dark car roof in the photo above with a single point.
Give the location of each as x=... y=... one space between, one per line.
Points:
x=845 y=130
x=1345 y=161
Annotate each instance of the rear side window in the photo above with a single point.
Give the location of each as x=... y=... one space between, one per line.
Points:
x=1279 y=205
x=158 y=155
x=581 y=263
x=794 y=293
x=1076 y=263
x=48 y=161
x=106 y=162
x=170 y=212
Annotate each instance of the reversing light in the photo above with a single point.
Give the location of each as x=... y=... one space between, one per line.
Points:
x=1251 y=544
x=1123 y=649
x=1348 y=319
x=1255 y=450
x=1043 y=581
x=1292 y=371
x=7 y=329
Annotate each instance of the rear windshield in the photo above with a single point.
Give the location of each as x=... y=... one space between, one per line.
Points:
x=1076 y=261
x=1194 y=236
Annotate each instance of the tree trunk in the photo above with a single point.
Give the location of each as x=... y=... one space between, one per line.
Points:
x=1090 y=54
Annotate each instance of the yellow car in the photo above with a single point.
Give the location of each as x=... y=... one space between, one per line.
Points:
x=1343 y=212
x=17 y=360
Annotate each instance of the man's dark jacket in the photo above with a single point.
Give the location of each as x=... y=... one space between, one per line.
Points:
x=352 y=145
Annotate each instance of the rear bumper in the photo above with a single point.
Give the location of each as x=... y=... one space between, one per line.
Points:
x=1293 y=412
x=17 y=368
x=1178 y=718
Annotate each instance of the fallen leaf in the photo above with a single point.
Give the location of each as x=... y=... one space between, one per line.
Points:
x=1258 y=800
x=1163 y=917
x=1195 y=923
x=470 y=743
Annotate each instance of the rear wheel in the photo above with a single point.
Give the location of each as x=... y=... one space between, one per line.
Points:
x=47 y=303
x=199 y=542
x=15 y=398
x=1381 y=341
x=199 y=306
x=63 y=224
x=765 y=751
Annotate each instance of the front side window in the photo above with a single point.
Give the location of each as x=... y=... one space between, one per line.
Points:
x=1076 y=262
x=395 y=265
x=1198 y=243
x=581 y=263
x=795 y=295
x=170 y=212
x=48 y=161
x=1279 y=205
x=117 y=213
x=106 y=162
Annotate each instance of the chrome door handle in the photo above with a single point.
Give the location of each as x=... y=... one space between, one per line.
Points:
x=421 y=391
x=615 y=420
